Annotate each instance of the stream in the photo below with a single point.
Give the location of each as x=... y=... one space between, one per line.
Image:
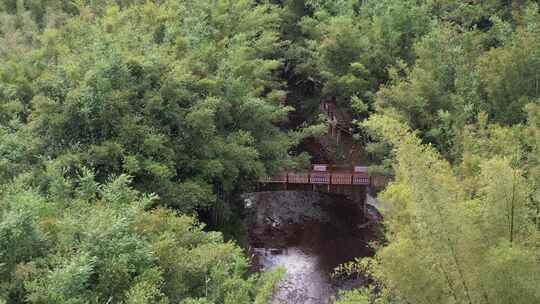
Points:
x=308 y=234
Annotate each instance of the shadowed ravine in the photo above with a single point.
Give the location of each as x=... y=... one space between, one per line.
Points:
x=308 y=234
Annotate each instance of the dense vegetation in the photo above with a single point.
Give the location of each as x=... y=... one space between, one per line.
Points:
x=121 y=120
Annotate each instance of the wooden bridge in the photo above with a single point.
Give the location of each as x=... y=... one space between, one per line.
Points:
x=353 y=182
x=326 y=175
x=318 y=178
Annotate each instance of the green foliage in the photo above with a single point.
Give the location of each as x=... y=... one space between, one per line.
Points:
x=351 y=50
x=108 y=248
x=510 y=74
x=439 y=93
x=120 y=109
x=354 y=297
x=266 y=289
x=179 y=95
x=467 y=231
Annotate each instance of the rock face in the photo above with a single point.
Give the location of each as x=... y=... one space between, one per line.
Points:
x=273 y=212
x=309 y=234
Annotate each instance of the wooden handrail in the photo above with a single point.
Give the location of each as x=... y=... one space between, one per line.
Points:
x=315 y=177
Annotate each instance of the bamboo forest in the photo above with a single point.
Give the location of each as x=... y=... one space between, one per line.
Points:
x=270 y=151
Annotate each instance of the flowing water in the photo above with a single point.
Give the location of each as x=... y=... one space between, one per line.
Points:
x=305 y=281
x=308 y=234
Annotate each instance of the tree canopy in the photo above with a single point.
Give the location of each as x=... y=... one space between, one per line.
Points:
x=86 y=242
x=123 y=121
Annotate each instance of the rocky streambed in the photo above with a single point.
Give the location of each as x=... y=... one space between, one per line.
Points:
x=308 y=234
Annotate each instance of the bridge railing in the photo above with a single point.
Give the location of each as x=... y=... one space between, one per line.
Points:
x=319 y=178
x=341 y=179
x=278 y=178
x=334 y=178
x=360 y=179
x=298 y=178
